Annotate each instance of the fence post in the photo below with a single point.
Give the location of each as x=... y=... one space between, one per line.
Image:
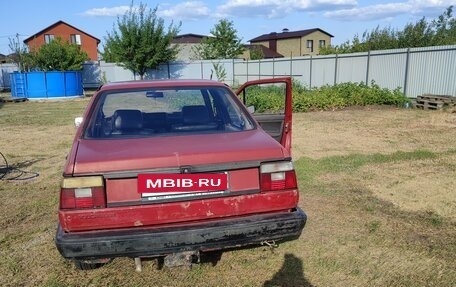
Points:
x=169 y=73
x=310 y=73
x=367 y=68
x=259 y=69
x=407 y=59
x=202 y=74
x=335 y=69
x=291 y=64
x=247 y=71
x=233 y=72
x=273 y=67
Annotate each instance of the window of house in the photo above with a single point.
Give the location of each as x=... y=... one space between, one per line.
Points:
x=322 y=43
x=48 y=38
x=310 y=44
x=75 y=39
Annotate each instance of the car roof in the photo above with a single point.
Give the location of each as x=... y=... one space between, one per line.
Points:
x=161 y=84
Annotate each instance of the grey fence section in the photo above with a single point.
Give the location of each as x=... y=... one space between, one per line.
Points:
x=432 y=70
x=388 y=69
x=5 y=70
x=415 y=71
x=198 y=70
x=96 y=73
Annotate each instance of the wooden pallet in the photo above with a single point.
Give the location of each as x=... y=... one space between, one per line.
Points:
x=433 y=102
x=440 y=98
x=13 y=100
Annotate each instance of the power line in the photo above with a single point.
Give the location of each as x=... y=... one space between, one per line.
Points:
x=12 y=35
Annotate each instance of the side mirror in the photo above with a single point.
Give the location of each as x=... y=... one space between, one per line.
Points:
x=251 y=109
x=78 y=121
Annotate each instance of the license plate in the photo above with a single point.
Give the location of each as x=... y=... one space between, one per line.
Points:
x=152 y=184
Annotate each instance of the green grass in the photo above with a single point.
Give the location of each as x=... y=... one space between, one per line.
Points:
x=309 y=168
x=36 y=113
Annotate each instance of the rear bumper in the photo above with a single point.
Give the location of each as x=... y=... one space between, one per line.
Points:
x=219 y=234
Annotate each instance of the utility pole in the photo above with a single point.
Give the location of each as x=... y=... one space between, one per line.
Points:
x=18 y=52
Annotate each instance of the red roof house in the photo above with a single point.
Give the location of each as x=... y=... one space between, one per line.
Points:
x=65 y=31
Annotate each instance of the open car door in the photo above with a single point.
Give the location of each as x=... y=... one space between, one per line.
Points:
x=270 y=103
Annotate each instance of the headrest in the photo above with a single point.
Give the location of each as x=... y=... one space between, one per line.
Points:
x=195 y=115
x=127 y=120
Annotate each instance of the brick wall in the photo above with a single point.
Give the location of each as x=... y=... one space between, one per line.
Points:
x=88 y=43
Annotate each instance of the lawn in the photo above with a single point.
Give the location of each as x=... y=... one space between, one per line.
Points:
x=378 y=185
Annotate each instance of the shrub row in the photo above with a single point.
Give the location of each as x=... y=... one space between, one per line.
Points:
x=326 y=97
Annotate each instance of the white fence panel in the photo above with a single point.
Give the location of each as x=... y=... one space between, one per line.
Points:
x=352 y=68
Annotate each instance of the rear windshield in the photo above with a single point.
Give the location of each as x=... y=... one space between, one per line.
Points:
x=165 y=112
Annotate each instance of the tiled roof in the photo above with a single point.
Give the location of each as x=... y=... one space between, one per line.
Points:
x=287 y=35
x=55 y=24
x=188 y=38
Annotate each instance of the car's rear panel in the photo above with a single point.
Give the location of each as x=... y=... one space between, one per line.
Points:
x=125 y=207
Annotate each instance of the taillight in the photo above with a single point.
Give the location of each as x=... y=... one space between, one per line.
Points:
x=277 y=176
x=82 y=192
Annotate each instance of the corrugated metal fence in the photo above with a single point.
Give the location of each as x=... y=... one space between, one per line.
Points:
x=415 y=71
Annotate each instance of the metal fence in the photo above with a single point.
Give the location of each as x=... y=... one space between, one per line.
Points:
x=415 y=71
x=5 y=70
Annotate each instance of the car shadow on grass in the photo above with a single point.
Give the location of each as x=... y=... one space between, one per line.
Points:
x=290 y=274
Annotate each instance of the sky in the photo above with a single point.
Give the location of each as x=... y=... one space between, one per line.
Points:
x=251 y=18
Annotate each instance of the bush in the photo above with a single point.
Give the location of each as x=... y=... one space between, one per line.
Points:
x=59 y=55
x=270 y=99
x=266 y=98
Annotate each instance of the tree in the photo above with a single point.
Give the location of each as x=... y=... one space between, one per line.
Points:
x=445 y=28
x=59 y=55
x=223 y=44
x=256 y=53
x=20 y=55
x=419 y=34
x=440 y=31
x=140 y=41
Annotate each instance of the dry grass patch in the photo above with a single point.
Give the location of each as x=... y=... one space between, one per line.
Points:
x=366 y=131
x=421 y=185
x=425 y=185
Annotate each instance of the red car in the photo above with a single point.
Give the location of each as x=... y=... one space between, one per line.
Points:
x=177 y=167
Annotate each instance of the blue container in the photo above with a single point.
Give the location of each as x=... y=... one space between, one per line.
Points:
x=46 y=85
x=18 y=85
x=73 y=84
x=55 y=82
x=36 y=85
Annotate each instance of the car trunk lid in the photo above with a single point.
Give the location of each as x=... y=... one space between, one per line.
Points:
x=135 y=155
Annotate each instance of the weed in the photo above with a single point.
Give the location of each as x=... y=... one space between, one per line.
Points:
x=373 y=226
x=434 y=219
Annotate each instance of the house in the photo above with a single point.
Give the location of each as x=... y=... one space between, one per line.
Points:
x=3 y=59
x=186 y=44
x=295 y=43
x=67 y=32
x=264 y=52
